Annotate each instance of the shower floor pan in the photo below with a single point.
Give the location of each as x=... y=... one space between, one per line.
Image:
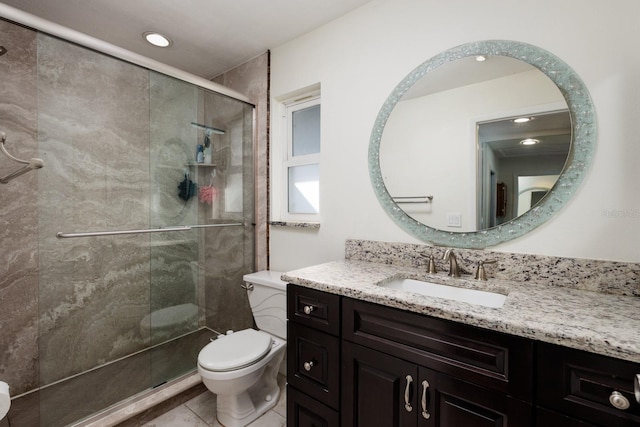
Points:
x=80 y=397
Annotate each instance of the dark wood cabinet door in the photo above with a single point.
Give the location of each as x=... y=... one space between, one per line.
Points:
x=314 y=363
x=496 y=361
x=303 y=411
x=373 y=389
x=450 y=402
x=546 y=418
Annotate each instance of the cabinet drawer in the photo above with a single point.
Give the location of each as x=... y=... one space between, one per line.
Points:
x=313 y=363
x=315 y=309
x=490 y=359
x=579 y=384
x=303 y=411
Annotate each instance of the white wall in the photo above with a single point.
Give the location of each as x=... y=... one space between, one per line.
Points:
x=359 y=58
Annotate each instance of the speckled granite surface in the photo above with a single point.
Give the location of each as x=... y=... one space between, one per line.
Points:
x=602 y=323
x=621 y=278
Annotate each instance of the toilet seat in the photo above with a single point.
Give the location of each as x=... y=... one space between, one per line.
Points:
x=235 y=351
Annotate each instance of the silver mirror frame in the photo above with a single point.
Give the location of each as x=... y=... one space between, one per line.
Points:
x=583 y=124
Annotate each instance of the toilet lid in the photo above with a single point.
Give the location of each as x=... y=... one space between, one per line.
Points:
x=235 y=351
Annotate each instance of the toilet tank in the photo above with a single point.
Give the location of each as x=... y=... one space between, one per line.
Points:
x=268 y=300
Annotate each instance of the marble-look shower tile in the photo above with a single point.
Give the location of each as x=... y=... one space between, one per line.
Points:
x=93 y=131
x=18 y=212
x=89 y=317
x=174 y=273
x=252 y=79
x=173 y=106
x=226 y=302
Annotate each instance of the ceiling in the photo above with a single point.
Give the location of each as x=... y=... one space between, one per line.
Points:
x=553 y=130
x=466 y=71
x=209 y=36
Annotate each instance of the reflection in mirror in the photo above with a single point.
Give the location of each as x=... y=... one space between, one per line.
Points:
x=430 y=145
x=445 y=156
x=518 y=155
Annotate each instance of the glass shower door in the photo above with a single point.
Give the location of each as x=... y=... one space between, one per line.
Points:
x=93 y=134
x=176 y=272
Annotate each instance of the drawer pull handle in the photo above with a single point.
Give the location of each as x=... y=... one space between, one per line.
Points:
x=618 y=400
x=307 y=309
x=308 y=365
x=425 y=388
x=636 y=387
x=407 y=389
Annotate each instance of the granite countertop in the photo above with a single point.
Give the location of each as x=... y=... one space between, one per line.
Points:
x=585 y=320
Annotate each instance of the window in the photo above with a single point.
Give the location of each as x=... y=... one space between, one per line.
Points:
x=299 y=197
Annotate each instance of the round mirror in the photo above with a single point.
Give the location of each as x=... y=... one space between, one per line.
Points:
x=481 y=143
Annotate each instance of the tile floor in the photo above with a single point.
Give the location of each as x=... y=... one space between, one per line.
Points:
x=201 y=412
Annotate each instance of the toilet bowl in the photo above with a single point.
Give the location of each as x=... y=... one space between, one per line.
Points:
x=241 y=367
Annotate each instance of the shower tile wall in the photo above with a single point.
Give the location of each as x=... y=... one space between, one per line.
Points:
x=18 y=213
x=93 y=117
x=175 y=272
x=229 y=250
x=227 y=303
x=252 y=79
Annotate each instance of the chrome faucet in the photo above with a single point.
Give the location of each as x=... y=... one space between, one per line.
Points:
x=454 y=270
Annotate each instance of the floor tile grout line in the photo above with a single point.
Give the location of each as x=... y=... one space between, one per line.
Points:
x=197 y=415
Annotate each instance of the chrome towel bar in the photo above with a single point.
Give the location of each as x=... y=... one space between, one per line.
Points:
x=413 y=199
x=61 y=235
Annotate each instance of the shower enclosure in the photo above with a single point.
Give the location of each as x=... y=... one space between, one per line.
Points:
x=138 y=235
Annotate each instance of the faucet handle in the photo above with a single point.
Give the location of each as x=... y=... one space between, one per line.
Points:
x=481 y=274
x=432 y=263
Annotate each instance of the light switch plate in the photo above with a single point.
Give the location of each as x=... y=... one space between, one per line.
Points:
x=454 y=219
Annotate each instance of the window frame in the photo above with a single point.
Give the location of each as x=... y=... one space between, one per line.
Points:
x=284 y=159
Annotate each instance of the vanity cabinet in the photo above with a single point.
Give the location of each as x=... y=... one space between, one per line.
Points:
x=354 y=363
x=404 y=369
x=586 y=387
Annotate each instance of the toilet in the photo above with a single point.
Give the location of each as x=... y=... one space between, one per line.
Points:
x=241 y=367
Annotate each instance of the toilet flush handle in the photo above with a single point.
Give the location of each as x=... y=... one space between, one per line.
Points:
x=247 y=286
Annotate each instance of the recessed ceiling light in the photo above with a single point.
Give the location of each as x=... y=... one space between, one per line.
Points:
x=157 y=39
x=481 y=58
x=529 y=141
x=522 y=120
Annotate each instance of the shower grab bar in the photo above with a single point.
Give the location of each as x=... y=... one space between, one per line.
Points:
x=61 y=235
x=30 y=164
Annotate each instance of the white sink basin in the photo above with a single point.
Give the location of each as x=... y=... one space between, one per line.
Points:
x=471 y=296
